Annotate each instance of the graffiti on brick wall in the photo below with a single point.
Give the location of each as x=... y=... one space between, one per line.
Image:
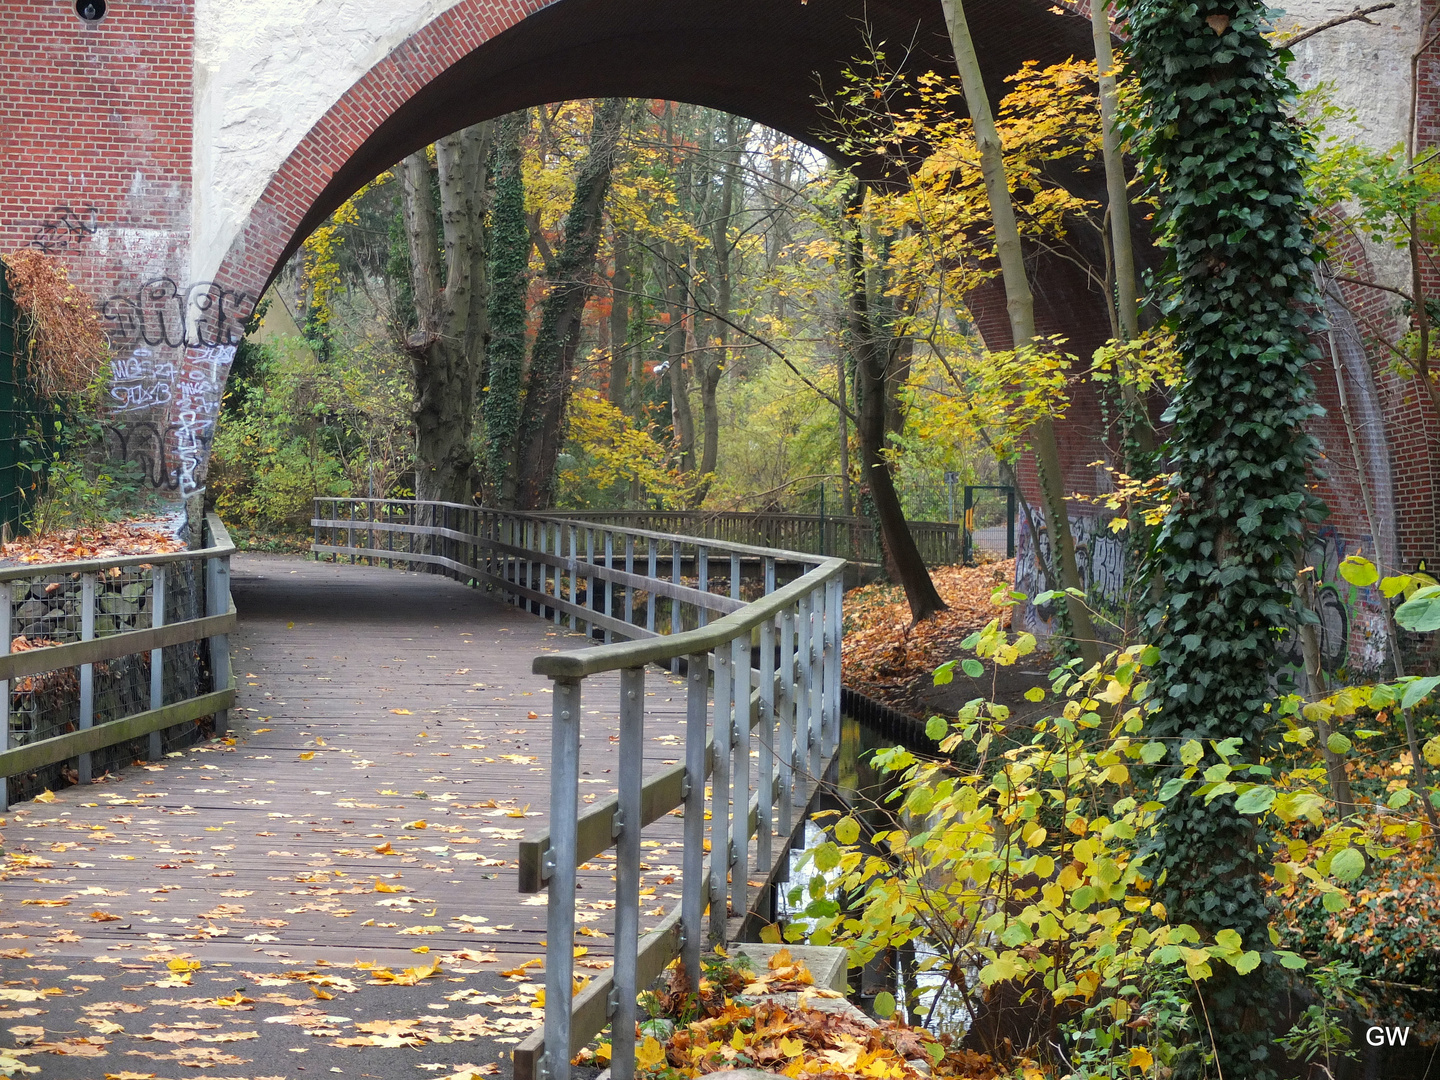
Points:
x=1351 y=630
x=66 y=227
x=1099 y=556
x=174 y=349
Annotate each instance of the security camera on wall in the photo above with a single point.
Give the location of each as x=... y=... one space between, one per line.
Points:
x=90 y=11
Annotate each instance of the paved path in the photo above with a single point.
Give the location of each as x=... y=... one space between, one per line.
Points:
x=389 y=747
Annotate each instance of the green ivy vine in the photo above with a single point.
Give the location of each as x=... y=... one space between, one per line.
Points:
x=509 y=264
x=1221 y=146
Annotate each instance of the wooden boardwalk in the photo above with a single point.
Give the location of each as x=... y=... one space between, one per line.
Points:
x=389 y=736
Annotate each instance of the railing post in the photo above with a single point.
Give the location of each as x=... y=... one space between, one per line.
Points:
x=766 y=824
x=815 y=660
x=677 y=619
x=574 y=578
x=609 y=585
x=156 y=749
x=702 y=570
x=786 y=707
x=590 y=599
x=627 y=872
x=720 y=798
x=693 y=888
x=654 y=551
x=807 y=747
x=87 y=671
x=740 y=783
x=5 y=635
x=629 y=590
x=217 y=601
x=735 y=576
x=560 y=916
x=834 y=634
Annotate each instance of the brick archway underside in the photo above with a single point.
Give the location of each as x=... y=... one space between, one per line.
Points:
x=768 y=60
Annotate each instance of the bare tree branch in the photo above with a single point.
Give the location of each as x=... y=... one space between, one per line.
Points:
x=1358 y=15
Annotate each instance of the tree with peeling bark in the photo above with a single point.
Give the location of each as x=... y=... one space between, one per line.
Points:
x=448 y=278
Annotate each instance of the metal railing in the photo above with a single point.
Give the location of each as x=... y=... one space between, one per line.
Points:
x=813 y=534
x=785 y=709
x=97 y=654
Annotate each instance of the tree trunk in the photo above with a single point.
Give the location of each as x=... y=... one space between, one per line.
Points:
x=677 y=304
x=619 y=318
x=509 y=266
x=904 y=561
x=1122 y=244
x=552 y=359
x=444 y=350
x=847 y=498
x=1020 y=304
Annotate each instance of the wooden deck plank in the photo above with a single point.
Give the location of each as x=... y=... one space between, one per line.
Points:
x=408 y=690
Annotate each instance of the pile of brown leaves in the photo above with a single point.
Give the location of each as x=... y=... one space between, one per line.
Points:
x=884 y=654
x=67 y=345
x=112 y=541
x=810 y=1038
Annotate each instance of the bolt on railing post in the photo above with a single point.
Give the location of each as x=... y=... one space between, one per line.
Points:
x=217 y=599
x=87 y=671
x=740 y=776
x=692 y=889
x=720 y=797
x=156 y=747
x=560 y=916
x=786 y=707
x=5 y=635
x=627 y=872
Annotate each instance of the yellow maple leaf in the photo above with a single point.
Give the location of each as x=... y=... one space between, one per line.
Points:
x=402 y=712
x=321 y=994
x=45 y=796
x=791 y=1047
x=381 y=886
x=649 y=1053
x=417 y=824
x=307 y=755
x=1141 y=1058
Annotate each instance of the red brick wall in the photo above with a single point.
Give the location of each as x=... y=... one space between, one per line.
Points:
x=95 y=134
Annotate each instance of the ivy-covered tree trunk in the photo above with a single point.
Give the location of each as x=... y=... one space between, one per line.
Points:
x=509 y=264
x=1218 y=131
x=552 y=358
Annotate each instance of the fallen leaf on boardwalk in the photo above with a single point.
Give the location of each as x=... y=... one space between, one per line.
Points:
x=307 y=755
x=418 y=824
x=104 y=916
x=408 y=977
x=46 y=796
x=25 y=1035
x=321 y=994
x=81 y=1047
x=384 y=849
x=402 y=712
x=412 y=930
x=518 y=972
x=129 y=1076
x=532 y=716
x=46 y=903
x=381 y=886
x=9 y=994
x=234 y=999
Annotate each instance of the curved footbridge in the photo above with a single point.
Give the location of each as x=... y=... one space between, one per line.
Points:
x=447 y=705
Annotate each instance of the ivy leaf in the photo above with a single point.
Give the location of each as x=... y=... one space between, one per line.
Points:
x=1421 y=613
x=1359 y=571
x=1347 y=865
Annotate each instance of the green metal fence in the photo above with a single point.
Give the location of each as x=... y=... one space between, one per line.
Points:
x=26 y=430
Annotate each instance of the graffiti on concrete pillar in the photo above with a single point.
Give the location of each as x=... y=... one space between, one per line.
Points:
x=174 y=349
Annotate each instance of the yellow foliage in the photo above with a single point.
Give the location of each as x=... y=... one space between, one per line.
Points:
x=611 y=452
